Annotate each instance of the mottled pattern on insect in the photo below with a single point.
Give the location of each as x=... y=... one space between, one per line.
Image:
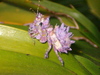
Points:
x=58 y=37
x=37 y=29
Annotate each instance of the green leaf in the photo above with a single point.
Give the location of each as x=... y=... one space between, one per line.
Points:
x=94 y=7
x=90 y=66
x=12 y=63
x=10 y=14
x=86 y=50
x=17 y=40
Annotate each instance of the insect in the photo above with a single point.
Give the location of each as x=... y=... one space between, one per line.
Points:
x=58 y=37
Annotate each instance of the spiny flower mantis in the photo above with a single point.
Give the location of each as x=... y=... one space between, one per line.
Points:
x=58 y=37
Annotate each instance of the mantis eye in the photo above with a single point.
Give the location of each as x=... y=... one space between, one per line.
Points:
x=41 y=23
